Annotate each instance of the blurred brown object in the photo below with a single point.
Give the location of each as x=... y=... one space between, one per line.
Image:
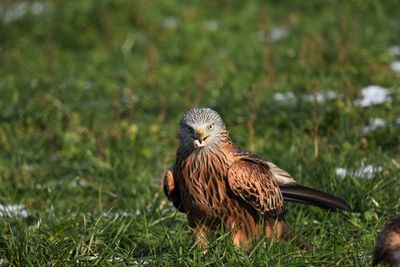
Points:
x=387 y=248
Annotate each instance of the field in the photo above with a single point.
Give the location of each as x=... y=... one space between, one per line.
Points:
x=91 y=93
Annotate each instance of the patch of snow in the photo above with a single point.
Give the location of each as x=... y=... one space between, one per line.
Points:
x=321 y=96
x=373 y=95
x=366 y=172
x=15 y=12
x=79 y=182
x=365 y=256
x=394 y=50
x=3 y=262
x=212 y=25
x=374 y=124
x=341 y=172
x=278 y=33
x=116 y=259
x=38 y=8
x=13 y=210
x=395 y=66
x=288 y=97
x=142 y=262
x=18 y=10
x=170 y=22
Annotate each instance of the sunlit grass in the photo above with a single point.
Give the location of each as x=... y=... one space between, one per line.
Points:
x=90 y=98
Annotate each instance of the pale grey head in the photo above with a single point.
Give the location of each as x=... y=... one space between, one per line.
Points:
x=201 y=128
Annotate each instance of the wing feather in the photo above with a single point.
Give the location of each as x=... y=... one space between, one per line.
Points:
x=252 y=180
x=283 y=177
x=171 y=190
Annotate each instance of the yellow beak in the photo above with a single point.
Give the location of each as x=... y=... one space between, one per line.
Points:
x=200 y=132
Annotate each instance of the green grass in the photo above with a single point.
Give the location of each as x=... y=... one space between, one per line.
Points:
x=91 y=93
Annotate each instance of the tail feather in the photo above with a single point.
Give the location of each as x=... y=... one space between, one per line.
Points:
x=305 y=195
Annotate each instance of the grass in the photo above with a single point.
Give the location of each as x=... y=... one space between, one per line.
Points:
x=92 y=92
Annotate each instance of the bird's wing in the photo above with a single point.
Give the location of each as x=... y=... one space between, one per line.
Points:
x=171 y=190
x=283 y=177
x=252 y=180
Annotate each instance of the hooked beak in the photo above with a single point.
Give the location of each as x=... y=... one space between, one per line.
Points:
x=200 y=138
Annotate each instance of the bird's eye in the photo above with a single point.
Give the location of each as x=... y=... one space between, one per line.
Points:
x=210 y=126
x=190 y=129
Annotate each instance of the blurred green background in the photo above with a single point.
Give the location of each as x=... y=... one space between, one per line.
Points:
x=91 y=93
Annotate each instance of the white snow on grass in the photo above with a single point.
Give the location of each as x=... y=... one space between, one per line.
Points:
x=143 y=262
x=3 y=262
x=394 y=50
x=366 y=172
x=116 y=259
x=287 y=98
x=275 y=34
x=395 y=66
x=13 y=210
x=278 y=33
x=374 y=124
x=321 y=96
x=290 y=98
x=38 y=8
x=16 y=11
x=373 y=95
x=341 y=172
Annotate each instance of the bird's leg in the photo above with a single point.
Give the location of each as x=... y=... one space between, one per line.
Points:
x=199 y=235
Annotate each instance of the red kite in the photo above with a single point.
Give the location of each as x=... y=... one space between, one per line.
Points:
x=215 y=182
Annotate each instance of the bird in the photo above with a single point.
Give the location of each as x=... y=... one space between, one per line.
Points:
x=214 y=182
x=387 y=248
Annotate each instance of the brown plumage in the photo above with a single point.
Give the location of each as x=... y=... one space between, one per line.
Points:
x=214 y=182
x=387 y=248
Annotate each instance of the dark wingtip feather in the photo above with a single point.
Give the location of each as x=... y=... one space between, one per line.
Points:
x=305 y=195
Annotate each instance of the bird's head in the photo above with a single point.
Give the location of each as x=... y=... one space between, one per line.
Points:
x=201 y=128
